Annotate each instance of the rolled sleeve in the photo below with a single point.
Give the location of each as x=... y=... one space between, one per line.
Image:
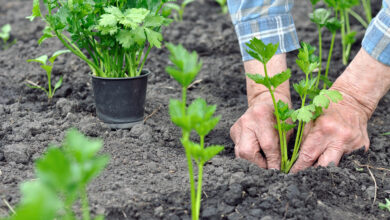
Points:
x=377 y=38
x=267 y=20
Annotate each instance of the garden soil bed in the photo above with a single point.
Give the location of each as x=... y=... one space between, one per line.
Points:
x=147 y=174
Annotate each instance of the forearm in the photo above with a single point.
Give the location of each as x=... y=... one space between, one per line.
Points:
x=276 y=65
x=365 y=82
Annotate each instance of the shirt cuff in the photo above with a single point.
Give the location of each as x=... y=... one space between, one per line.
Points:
x=377 y=38
x=276 y=29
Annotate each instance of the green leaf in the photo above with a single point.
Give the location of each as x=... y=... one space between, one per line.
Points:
x=36 y=11
x=178 y=114
x=284 y=110
x=37 y=87
x=321 y=101
x=387 y=133
x=47 y=33
x=186 y=65
x=125 y=38
x=47 y=68
x=333 y=25
x=209 y=152
x=116 y=12
x=154 y=37
x=314 y=2
x=320 y=16
x=108 y=20
x=261 y=51
x=93 y=167
x=139 y=36
x=385 y=206
x=304 y=114
x=193 y=148
x=306 y=60
x=259 y=79
x=80 y=147
x=286 y=126
x=38 y=203
x=350 y=38
x=42 y=59
x=5 y=32
x=200 y=115
x=56 y=54
x=153 y=21
x=57 y=85
x=133 y=17
x=280 y=78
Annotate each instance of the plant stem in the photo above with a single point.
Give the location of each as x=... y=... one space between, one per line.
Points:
x=48 y=73
x=283 y=148
x=320 y=55
x=329 y=57
x=358 y=17
x=199 y=190
x=144 y=60
x=85 y=204
x=367 y=10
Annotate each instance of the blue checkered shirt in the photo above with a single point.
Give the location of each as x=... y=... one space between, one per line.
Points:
x=271 y=21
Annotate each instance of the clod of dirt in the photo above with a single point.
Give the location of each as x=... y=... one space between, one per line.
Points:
x=17 y=153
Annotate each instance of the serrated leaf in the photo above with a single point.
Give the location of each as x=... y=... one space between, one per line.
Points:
x=321 y=101
x=350 y=38
x=178 y=114
x=36 y=11
x=210 y=152
x=154 y=37
x=320 y=16
x=333 y=25
x=125 y=38
x=259 y=79
x=42 y=59
x=334 y=95
x=56 y=54
x=261 y=51
x=286 y=126
x=153 y=21
x=108 y=20
x=304 y=114
x=280 y=78
x=139 y=35
x=133 y=17
x=284 y=110
x=114 y=11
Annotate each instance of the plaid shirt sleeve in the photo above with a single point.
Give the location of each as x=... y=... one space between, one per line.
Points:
x=268 y=20
x=377 y=38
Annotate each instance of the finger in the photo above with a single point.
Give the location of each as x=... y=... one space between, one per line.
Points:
x=235 y=132
x=269 y=144
x=312 y=148
x=248 y=148
x=330 y=155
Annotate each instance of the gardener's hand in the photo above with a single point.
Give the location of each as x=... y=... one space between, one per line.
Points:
x=343 y=127
x=254 y=131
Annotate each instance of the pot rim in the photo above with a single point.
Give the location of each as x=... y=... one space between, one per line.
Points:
x=144 y=73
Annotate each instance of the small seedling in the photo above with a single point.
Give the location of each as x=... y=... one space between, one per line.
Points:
x=387 y=133
x=63 y=174
x=198 y=117
x=5 y=35
x=317 y=99
x=48 y=68
x=179 y=9
x=385 y=206
x=223 y=5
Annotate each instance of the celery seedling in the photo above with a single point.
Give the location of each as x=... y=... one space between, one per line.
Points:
x=318 y=100
x=385 y=206
x=198 y=117
x=48 y=68
x=5 y=35
x=178 y=8
x=63 y=175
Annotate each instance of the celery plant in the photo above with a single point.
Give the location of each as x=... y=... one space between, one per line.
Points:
x=385 y=206
x=313 y=100
x=5 y=35
x=178 y=8
x=198 y=117
x=48 y=68
x=113 y=37
x=63 y=175
x=223 y=5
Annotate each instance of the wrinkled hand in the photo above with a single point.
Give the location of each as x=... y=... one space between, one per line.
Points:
x=340 y=130
x=254 y=131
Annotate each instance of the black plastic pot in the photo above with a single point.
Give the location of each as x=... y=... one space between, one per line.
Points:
x=120 y=102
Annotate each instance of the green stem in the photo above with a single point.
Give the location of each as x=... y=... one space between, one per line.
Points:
x=191 y=174
x=198 y=191
x=282 y=147
x=329 y=57
x=367 y=10
x=320 y=55
x=358 y=17
x=144 y=60
x=48 y=73
x=85 y=204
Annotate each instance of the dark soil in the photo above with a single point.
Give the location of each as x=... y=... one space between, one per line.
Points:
x=147 y=175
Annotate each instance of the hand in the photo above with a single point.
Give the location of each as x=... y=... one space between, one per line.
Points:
x=343 y=126
x=254 y=131
x=341 y=129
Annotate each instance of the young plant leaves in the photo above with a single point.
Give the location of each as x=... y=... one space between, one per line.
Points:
x=186 y=65
x=280 y=78
x=261 y=51
x=325 y=96
x=259 y=79
x=304 y=114
x=320 y=16
x=333 y=25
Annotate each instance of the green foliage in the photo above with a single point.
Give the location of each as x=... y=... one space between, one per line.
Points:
x=48 y=68
x=179 y=9
x=314 y=2
x=387 y=133
x=223 y=5
x=63 y=175
x=320 y=16
x=385 y=206
x=333 y=25
x=186 y=65
x=113 y=37
x=307 y=89
x=198 y=117
x=5 y=34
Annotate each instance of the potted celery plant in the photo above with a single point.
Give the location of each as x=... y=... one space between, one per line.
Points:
x=114 y=37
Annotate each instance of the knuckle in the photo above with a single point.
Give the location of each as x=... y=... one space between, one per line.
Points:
x=246 y=154
x=328 y=127
x=307 y=157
